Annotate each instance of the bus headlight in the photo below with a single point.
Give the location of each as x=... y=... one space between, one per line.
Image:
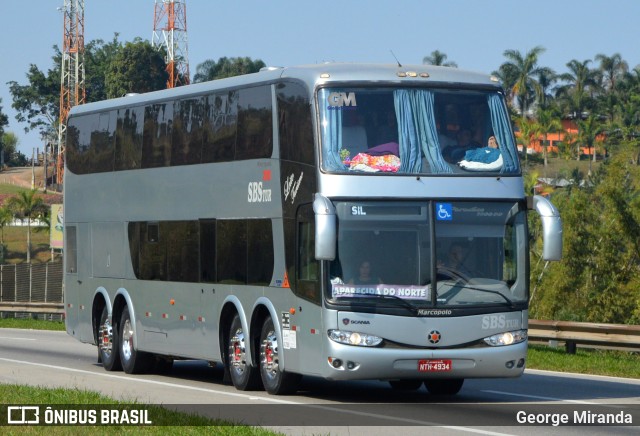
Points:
x=354 y=338
x=508 y=338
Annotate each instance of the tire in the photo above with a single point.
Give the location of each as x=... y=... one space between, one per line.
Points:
x=133 y=361
x=275 y=381
x=444 y=387
x=244 y=376
x=107 y=341
x=405 y=385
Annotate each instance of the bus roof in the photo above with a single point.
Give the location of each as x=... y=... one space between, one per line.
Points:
x=313 y=75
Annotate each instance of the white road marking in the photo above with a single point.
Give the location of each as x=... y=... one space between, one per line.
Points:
x=537 y=397
x=250 y=397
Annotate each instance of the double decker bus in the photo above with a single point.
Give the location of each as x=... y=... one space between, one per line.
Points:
x=336 y=220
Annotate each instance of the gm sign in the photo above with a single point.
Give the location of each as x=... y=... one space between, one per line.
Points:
x=341 y=99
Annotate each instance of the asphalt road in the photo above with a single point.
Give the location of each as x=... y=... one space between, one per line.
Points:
x=490 y=406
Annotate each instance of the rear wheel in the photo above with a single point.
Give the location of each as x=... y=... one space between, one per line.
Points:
x=445 y=386
x=405 y=385
x=275 y=381
x=243 y=376
x=108 y=351
x=133 y=361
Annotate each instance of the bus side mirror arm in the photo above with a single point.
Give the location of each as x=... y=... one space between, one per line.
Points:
x=326 y=228
x=551 y=226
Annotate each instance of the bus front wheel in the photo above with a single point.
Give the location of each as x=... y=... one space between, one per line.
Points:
x=107 y=338
x=275 y=381
x=243 y=376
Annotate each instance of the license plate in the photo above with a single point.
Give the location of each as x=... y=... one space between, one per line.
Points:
x=434 y=365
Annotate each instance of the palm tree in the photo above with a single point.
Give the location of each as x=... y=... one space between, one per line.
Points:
x=612 y=67
x=589 y=129
x=581 y=81
x=577 y=93
x=548 y=123
x=528 y=132
x=6 y=216
x=27 y=205
x=522 y=70
x=438 y=58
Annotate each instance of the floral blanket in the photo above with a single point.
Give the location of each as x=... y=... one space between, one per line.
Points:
x=366 y=162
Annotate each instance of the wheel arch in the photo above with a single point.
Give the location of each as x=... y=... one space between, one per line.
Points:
x=122 y=300
x=100 y=301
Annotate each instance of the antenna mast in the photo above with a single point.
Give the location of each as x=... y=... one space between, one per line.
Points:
x=72 y=79
x=170 y=33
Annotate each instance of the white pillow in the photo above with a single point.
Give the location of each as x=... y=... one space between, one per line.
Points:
x=479 y=166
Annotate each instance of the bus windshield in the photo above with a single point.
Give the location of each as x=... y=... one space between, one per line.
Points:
x=477 y=258
x=416 y=131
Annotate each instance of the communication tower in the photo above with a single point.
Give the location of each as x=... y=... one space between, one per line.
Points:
x=72 y=81
x=170 y=33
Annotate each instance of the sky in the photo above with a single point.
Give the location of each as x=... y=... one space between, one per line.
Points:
x=472 y=33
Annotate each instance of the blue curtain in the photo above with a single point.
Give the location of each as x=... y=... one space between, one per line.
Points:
x=332 y=136
x=417 y=131
x=502 y=131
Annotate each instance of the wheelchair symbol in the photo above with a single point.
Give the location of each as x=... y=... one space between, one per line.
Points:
x=444 y=212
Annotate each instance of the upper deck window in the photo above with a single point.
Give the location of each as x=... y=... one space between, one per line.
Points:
x=416 y=131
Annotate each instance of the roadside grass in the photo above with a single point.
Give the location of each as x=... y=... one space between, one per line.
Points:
x=31 y=324
x=165 y=421
x=585 y=361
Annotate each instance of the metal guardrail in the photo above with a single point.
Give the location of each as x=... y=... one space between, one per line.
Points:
x=47 y=308
x=607 y=336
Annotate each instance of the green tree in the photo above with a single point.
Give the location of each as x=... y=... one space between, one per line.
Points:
x=136 y=68
x=9 y=143
x=438 y=58
x=613 y=68
x=521 y=70
x=27 y=205
x=588 y=131
x=577 y=93
x=529 y=131
x=549 y=122
x=98 y=58
x=226 y=67
x=38 y=102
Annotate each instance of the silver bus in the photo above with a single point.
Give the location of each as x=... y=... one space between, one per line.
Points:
x=336 y=220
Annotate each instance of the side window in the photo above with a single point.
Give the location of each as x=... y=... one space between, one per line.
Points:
x=220 y=127
x=156 y=140
x=260 y=252
x=255 y=124
x=182 y=250
x=71 y=250
x=308 y=268
x=78 y=150
x=129 y=138
x=102 y=142
x=208 y=251
x=187 y=132
x=153 y=252
x=231 y=251
x=294 y=123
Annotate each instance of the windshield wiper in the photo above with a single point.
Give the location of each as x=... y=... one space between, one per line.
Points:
x=405 y=303
x=507 y=299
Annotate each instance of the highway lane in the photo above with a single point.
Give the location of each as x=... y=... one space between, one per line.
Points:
x=44 y=358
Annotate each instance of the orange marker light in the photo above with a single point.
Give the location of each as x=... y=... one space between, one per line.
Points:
x=172 y=302
x=292 y=311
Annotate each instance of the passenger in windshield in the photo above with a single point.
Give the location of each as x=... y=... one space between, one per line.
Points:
x=465 y=142
x=455 y=259
x=364 y=275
